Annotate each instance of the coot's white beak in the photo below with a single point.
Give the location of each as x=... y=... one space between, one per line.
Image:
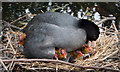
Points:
x=93 y=44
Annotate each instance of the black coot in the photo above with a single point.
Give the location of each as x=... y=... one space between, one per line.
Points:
x=48 y=31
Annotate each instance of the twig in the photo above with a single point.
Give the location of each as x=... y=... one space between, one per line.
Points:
x=6 y=24
x=18 y=19
x=59 y=61
x=3 y=57
x=12 y=62
x=42 y=11
x=105 y=19
x=85 y=12
x=10 y=24
x=3 y=49
x=12 y=67
x=109 y=55
x=21 y=18
x=53 y=10
x=115 y=28
x=57 y=66
x=3 y=65
x=98 y=54
x=14 y=27
x=109 y=32
x=9 y=40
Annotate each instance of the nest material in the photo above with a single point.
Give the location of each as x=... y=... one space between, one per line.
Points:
x=107 y=47
x=106 y=54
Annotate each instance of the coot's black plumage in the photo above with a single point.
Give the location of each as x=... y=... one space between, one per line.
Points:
x=48 y=31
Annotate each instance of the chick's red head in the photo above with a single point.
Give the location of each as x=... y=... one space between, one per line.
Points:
x=64 y=53
x=79 y=54
x=88 y=49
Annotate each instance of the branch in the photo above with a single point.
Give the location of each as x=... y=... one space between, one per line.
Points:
x=42 y=11
x=9 y=40
x=105 y=19
x=22 y=17
x=6 y=24
x=59 y=61
x=109 y=55
x=3 y=65
x=85 y=12
x=18 y=19
x=115 y=28
x=53 y=10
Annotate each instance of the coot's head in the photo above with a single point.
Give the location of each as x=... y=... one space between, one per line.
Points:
x=91 y=29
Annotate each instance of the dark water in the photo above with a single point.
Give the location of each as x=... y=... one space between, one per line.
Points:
x=14 y=10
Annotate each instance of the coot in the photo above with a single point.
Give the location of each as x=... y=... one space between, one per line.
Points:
x=48 y=31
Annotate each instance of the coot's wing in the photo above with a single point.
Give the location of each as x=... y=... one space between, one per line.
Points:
x=37 y=43
x=59 y=19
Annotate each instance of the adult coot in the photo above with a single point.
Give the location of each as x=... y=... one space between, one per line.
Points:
x=48 y=31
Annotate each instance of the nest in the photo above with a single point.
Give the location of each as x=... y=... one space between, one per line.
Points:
x=105 y=57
